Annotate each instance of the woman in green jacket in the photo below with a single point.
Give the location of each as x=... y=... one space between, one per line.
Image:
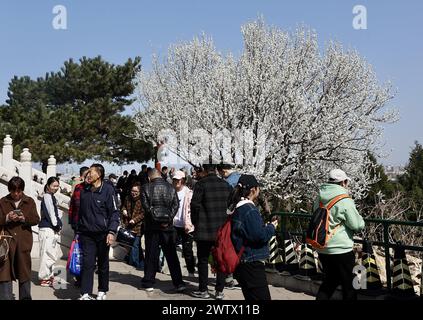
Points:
x=337 y=257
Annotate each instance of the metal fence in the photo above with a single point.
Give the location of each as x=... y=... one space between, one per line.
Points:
x=386 y=243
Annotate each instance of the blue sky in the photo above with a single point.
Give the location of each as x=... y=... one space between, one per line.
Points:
x=118 y=30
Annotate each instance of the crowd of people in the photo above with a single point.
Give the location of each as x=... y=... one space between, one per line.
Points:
x=169 y=208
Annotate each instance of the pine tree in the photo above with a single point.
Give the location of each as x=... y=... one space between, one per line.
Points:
x=412 y=180
x=383 y=188
x=75 y=113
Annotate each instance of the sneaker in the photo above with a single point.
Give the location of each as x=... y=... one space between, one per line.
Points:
x=219 y=295
x=101 y=295
x=46 y=283
x=200 y=294
x=181 y=288
x=150 y=289
x=232 y=286
x=86 y=296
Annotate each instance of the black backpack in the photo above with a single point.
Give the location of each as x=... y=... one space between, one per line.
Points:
x=318 y=234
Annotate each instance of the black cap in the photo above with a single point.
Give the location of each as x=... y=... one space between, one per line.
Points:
x=248 y=181
x=209 y=167
x=225 y=166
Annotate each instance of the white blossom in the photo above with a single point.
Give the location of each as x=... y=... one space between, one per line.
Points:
x=302 y=111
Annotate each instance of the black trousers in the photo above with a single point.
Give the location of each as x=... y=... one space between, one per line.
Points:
x=251 y=277
x=338 y=270
x=167 y=241
x=187 y=240
x=203 y=253
x=6 y=290
x=94 y=247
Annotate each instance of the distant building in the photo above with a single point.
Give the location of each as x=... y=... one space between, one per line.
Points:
x=393 y=172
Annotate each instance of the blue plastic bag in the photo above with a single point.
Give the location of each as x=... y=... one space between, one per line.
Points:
x=74 y=258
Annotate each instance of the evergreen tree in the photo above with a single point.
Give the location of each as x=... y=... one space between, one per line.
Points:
x=75 y=113
x=383 y=186
x=412 y=180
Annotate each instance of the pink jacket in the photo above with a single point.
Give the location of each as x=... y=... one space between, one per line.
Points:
x=189 y=227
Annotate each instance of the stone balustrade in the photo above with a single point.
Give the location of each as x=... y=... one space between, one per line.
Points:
x=10 y=167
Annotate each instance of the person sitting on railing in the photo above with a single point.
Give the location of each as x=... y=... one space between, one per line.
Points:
x=337 y=257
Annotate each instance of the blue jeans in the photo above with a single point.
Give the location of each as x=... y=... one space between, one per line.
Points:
x=136 y=256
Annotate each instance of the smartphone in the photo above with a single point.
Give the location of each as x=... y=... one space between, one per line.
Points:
x=18 y=212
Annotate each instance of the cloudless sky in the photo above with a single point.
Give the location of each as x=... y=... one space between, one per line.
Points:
x=118 y=30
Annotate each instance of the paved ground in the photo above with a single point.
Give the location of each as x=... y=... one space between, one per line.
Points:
x=125 y=282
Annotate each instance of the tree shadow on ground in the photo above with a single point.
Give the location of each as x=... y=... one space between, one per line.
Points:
x=69 y=293
x=124 y=278
x=66 y=289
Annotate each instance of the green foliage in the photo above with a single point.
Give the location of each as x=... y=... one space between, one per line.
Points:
x=383 y=186
x=412 y=180
x=75 y=113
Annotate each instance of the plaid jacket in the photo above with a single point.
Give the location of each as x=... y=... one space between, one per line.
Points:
x=74 y=205
x=208 y=206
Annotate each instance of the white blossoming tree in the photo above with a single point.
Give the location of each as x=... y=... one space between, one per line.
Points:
x=282 y=110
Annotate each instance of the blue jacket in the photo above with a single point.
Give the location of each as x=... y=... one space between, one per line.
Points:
x=233 y=178
x=98 y=212
x=249 y=230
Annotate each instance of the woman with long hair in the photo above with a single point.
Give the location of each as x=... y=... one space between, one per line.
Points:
x=132 y=219
x=49 y=232
x=249 y=231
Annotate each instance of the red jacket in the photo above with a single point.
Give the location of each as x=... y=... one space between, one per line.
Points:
x=74 y=205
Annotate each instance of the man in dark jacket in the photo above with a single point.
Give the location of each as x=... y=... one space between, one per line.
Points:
x=97 y=225
x=159 y=196
x=143 y=175
x=208 y=213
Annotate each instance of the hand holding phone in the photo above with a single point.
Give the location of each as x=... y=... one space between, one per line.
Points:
x=18 y=212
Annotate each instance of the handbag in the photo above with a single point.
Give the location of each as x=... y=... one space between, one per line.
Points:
x=74 y=257
x=125 y=236
x=4 y=247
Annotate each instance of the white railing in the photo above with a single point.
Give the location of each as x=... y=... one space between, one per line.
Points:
x=10 y=167
x=40 y=175
x=6 y=174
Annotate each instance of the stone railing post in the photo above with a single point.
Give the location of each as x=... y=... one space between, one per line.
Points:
x=51 y=167
x=8 y=154
x=25 y=171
